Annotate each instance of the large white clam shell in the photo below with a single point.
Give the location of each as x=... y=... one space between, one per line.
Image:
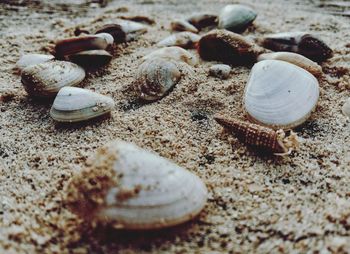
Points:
x=280 y=94
x=32 y=59
x=149 y=192
x=74 y=104
x=46 y=79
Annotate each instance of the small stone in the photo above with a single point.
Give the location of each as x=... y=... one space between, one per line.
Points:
x=346 y=108
x=221 y=71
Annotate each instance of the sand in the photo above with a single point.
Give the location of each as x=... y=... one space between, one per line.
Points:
x=257 y=203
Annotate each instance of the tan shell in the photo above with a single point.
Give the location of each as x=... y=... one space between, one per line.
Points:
x=185 y=40
x=156 y=77
x=32 y=59
x=294 y=58
x=173 y=53
x=227 y=47
x=91 y=58
x=77 y=44
x=135 y=189
x=183 y=25
x=74 y=104
x=46 y=79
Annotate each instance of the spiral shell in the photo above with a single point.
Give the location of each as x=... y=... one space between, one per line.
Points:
x=259 y=136
x=46 y=79
x=131 y=188
x=185 y=40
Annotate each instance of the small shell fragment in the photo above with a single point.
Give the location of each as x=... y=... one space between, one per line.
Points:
x=185 y=40
x=298 y=42
x=260 y=136
x=74 y=104
x=127 y=187
x=91 y=58
x=32 y=59
x=227 y=47
x=46 y=79
x=236 y=17
x=183 y=25
x=77 y=44
x=294 y=58
x=202 y=20
x=221 y=71
x=173 y=53
x=346 y=108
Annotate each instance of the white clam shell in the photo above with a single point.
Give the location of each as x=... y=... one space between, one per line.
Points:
x=74 y=104
x=46 y=79
x=293 y=58
x=183 y=25
x=280 y=94
x=109 y=38
x=346 y=108
x=163 y=194
x=183 y=39
x=173 y=53
x=32 y=59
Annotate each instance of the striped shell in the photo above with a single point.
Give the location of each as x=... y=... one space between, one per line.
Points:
x=134 y=189
x=32 y=59
x=185 y=40
x=74 y=104
x=46 y=79
x=280 y=95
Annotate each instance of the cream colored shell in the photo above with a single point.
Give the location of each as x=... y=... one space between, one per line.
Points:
x=174 y=53
x=32 y=59
x=346 y=108
x=183 y=39
x=280 y=94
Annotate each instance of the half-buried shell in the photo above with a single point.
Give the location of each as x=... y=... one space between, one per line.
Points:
x=91 y=58
x=173 y=53
x=182 y=25
x=127 y=187
x=280 y=94
x=185 y=40
x=46 y=79
x=202 y=20
x=74 y=104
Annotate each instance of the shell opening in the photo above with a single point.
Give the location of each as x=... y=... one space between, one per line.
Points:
x=288 y=144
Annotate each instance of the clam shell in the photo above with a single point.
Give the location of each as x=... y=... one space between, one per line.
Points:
x=32 y=59
x=183 y=25
x=346 y=108
x=139 y=19
x=184 y=40
x=77 y=44
x=294 y=58
x=74 y=104
x=46 y=79
x=227 y=47
x=173 y=53
x=135 y=189
x=280 y=94
x=202 y=20
x=221 y=71
x=123 y=31
x=91 y=58
x=236 y=17
x=156 y=77
x=108 y=37
x=298 y=42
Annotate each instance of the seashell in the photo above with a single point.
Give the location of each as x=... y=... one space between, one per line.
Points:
x=173 y=53
x=184 y=40
x=73 y=104
x=280 y=94
x=221 y=71
x=108 y=37
x=77 y=44
x=202 y=20
x=298 y=42
x=346 y=108
x=123 y=31
x=294 y=58
x=32 y=59
x=130 y=188
x=46 y=79
x=156 y=77
x=91 y=58
x=227 y=47
x=183 y=25
x=236 y=17
x=259 y=136
x=139 y=19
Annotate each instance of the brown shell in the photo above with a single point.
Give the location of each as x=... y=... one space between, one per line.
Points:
x=91 y=58
x=77 y=44
x=253 y=134
x=115 y=30
x=227 y=47
x=201 y=20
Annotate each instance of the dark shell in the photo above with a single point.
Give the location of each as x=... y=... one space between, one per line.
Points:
x=301 y=43
x=91 y=58
x=140 y=19
x=77 y=44
x=202 y=20
x=227 y=47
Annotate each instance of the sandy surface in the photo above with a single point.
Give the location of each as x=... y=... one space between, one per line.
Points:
x=257 y=203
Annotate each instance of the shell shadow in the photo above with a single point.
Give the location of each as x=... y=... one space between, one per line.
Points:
x=94 y=122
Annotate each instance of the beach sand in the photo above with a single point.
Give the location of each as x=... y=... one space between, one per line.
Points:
x=257 y=203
